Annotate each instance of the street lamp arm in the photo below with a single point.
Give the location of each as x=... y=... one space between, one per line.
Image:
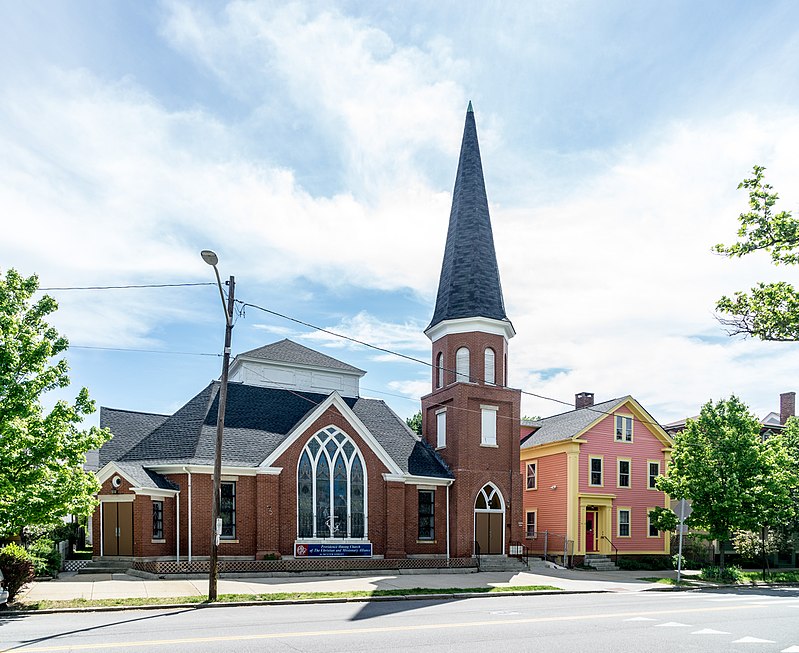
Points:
x=228 y=316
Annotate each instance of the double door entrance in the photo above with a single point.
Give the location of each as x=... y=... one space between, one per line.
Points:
x=489 y=521
x=117 y=528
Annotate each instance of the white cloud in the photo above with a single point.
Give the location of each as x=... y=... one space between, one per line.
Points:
x=407 y=338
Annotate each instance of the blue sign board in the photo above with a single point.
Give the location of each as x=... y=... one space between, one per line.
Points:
x=333 y=550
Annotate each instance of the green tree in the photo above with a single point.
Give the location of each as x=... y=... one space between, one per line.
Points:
x=41 y=453
x=415 y=422
x=719 y=465
x=770 y=311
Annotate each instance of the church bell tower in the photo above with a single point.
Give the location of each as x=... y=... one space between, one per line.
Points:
x=470 y=416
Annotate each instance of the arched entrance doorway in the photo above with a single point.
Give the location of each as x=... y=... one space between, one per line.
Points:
x=489 y=520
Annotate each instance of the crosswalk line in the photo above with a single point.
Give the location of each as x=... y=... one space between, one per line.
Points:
x=790 y=649
x=710 y=631
x=753 y=640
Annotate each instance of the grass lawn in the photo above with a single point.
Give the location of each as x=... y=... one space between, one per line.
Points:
x=667 y=581
x=276 y=596
x=790 y=576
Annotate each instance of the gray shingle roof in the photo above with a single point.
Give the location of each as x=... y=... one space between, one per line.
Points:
x=288 y=351
x=566 y=425
x=142 y=477
x=469 y=285
x=258 y=419
x=128 y=429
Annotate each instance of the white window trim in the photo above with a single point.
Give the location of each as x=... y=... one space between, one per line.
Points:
x=441 y=442
x=491 y=378
x=527 y=535
x=624 y=417
x=485 y=411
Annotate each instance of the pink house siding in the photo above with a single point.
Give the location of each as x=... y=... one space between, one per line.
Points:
x=549 y=504
x=638 y=498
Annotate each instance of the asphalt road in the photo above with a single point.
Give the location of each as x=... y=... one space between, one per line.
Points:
x=765 y=620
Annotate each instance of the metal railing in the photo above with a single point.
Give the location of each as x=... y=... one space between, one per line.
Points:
x=615 y=549
x=520 y=551
x=476 y=545
x=554 y=547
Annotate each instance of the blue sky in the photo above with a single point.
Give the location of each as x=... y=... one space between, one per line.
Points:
x=314 y=145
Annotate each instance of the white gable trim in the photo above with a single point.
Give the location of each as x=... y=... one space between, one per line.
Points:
x=110 y=469
x=334 y=400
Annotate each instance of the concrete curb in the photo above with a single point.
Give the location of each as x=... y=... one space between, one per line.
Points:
x=458 y=596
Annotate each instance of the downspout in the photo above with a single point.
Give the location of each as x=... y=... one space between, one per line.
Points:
x=188 y=474
x=177 y=527
x=448 y=521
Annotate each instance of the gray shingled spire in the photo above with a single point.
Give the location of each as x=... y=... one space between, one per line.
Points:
x=469 y=285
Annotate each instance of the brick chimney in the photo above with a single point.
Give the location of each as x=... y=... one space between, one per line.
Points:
x=586 y=400
x=787 y=406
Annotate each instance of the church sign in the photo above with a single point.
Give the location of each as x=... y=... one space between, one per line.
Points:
x=333 y=550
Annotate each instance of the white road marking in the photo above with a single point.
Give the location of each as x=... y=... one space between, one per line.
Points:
x=790 y=649
x=710 y=631
x=672 y=624
x=753 y=640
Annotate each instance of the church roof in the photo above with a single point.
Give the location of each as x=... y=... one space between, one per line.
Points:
x=288 y=351
x=469 y=285
x=257 y=420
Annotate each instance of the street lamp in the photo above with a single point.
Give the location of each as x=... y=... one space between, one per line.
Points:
x=216 y=521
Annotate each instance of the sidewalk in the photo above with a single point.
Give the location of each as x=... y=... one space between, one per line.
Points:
x=70 y=585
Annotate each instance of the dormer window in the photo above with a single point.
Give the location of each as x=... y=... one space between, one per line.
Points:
x=489 y=365
x=462 y=365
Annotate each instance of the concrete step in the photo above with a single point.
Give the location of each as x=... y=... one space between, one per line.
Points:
x=105 y=567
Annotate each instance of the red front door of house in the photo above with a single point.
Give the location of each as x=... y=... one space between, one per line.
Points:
x=590 y=531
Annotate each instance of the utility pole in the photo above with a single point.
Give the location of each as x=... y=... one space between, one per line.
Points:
x=216 y=521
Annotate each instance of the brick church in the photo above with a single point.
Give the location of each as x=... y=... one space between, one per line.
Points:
x=312 y=470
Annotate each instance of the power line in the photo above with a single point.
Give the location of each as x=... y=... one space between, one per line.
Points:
x=418 y=360
x=146 y=351
x=144 y=285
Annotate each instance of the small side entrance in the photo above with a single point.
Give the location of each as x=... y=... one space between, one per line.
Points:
x=590 y=530
x=117 y=528
x=489 y=521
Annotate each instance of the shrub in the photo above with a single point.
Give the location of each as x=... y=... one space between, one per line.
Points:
x=46 y=558
x=730 y=574
x=17 y=568
x=644 y=563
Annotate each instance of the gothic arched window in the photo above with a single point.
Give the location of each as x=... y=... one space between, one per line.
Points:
x=331 y=488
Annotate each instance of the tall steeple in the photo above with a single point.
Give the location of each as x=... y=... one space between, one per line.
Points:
x=469 y=286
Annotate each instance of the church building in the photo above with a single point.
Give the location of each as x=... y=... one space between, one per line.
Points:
x=315 y=474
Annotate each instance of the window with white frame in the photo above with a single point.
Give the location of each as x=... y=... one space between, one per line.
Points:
x=654 y=472
x=624 y=428
x=441 y=428
x=624 y=472
x=595 y=471
x=488 y=430
x=462 y=373
x=331 y=488
x=652 y=530
x=531 y=525
x=440 y=370
x=624 y=522
x=490 y=359
x=532 y=475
